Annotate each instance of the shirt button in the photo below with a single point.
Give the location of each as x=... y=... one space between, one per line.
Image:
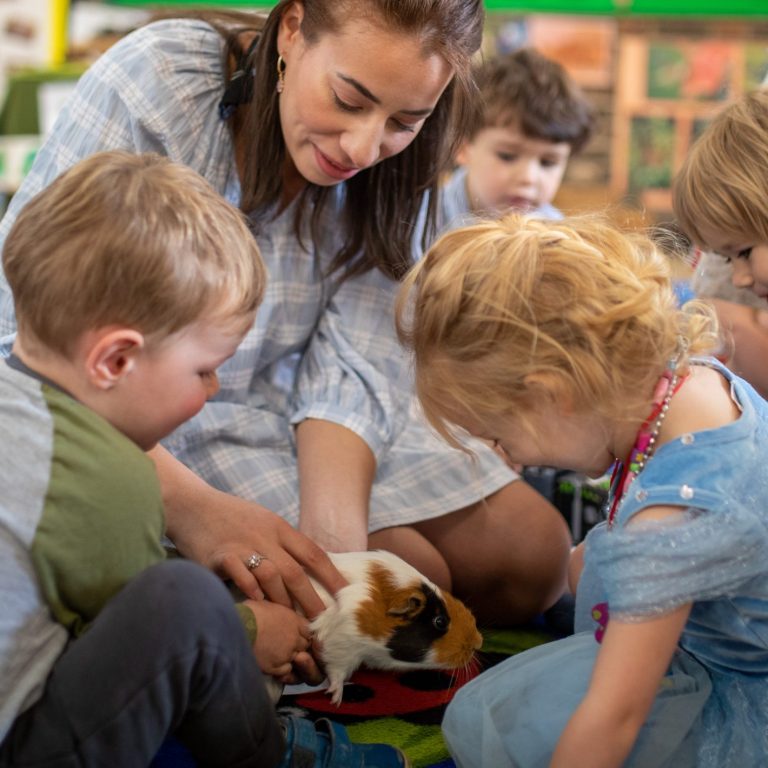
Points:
x=686 y=492
x=641 y=495
x=687 y=438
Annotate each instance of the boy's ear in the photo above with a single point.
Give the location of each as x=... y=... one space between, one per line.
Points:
x=112 y=355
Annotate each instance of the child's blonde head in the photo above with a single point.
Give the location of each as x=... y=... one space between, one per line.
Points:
x=132 y=240
x=723 y=183
x=504 y=314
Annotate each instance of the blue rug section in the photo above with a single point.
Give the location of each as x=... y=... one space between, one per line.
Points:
x=173 y=754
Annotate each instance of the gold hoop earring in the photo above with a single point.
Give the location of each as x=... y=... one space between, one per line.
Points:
x=280 y=73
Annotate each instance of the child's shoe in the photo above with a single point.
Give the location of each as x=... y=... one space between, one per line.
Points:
x=325 y=744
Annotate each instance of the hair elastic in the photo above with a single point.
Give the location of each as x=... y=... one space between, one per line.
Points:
x=239 y=89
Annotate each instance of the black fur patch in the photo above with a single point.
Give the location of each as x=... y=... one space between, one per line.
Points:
x=411 y=642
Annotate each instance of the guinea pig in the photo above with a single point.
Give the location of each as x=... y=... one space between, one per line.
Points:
x=389 y=616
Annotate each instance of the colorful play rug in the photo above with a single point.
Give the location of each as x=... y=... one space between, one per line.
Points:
x=406 y=708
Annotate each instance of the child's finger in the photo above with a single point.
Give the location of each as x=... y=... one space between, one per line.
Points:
x=278 y=670
x=307 y=669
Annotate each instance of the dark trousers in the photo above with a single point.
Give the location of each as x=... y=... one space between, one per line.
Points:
x=167 y=655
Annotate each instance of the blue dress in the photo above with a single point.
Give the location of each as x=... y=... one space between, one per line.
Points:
x=712 y=707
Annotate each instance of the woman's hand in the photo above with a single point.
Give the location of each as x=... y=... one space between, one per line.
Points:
x=221 y=532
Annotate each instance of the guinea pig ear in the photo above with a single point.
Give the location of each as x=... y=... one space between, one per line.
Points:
x=408 y=606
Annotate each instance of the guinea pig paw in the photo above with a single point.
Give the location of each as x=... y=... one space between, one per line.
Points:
x=336 y=691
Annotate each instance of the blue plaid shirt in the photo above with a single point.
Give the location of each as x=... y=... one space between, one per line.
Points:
x=316 y=350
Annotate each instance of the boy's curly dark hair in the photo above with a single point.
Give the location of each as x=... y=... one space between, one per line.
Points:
x=528 y=89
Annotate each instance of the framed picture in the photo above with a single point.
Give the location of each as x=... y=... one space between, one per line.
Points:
x=33 y=33
x=583 y=45
x=755 y=65
x=651 y=152
x=668 y=89
x=701 y=70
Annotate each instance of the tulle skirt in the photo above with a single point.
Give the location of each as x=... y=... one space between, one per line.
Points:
x=513 y=714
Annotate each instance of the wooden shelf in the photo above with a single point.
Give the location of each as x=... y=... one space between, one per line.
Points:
x=668 y=88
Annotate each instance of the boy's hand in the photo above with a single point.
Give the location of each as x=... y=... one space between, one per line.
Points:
x=282 y=636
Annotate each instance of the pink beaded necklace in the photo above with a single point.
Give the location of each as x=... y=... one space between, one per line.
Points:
x=624 y=472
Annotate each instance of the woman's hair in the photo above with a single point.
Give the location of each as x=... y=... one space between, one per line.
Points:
x=382 y=203
x=526 y=89
x=723 y=183
x=133 y=240
x=504 y=313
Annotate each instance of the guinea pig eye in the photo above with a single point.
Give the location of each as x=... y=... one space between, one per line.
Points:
x=441 y=622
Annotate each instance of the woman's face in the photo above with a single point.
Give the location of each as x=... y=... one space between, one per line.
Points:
x=354 y=97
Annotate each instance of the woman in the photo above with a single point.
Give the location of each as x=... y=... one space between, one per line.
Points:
x=328 y=124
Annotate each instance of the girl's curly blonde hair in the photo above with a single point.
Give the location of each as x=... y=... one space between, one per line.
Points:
x=500 y=313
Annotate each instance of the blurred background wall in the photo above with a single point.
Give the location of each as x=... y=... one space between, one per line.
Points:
x=656 y=70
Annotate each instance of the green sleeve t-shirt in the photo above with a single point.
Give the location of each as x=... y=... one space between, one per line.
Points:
x=80 y=515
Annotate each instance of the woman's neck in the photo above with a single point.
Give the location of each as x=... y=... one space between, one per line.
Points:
x=293 y=183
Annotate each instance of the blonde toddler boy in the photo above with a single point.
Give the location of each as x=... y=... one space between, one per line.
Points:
x=133 y=281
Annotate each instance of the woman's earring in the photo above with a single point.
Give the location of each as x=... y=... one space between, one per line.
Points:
x=280 y=73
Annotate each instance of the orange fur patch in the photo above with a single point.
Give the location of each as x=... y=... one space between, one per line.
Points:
x=372 y=615
x=457 y=648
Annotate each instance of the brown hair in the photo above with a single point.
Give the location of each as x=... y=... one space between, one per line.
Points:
x=527 y=89
x=723 y=182
x=382 y=203
x=577 y=304
x=129 y=239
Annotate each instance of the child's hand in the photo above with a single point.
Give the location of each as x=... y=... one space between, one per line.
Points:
x=282 y=634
